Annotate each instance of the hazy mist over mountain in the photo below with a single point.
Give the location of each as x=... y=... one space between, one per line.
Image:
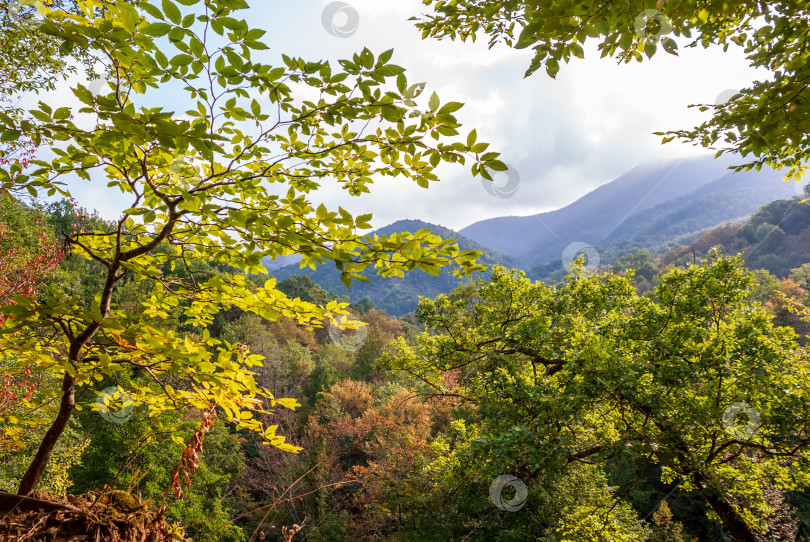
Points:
x=653 y=205
x=652 y=199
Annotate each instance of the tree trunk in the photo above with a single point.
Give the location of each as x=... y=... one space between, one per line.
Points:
x=731 y=519
x=32 y=476
x=10 y=502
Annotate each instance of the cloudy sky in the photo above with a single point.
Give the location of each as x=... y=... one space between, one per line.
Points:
x=562 y=137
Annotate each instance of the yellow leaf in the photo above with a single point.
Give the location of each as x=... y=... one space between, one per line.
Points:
x=288 y=403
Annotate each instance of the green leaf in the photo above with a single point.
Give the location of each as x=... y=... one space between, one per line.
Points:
x=385 y=56
x=433 y=104
x=450 y=107
x=181 y=60
x=390 y=70
x=497 y=165
x=232 y=24
x=158 y=29
x=670 y=46
x=602 y=25
x=172 y=11
x=10 y=135
x=528 y=35
x=129 y=16
x=367 y=58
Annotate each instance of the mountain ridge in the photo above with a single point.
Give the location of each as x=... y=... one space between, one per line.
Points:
x=594 y=217
x=397 y=295
x=664 y=204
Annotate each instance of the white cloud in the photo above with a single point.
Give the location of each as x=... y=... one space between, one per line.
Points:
x=565 y=136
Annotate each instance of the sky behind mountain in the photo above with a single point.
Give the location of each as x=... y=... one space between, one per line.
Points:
x=562 y=137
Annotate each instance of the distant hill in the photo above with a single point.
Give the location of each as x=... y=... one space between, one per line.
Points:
x=398 y=296
x=646 y=206
x=775 y=238
x=654 y=206
x=733 y=195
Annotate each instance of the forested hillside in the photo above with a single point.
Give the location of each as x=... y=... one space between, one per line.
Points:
x=650 y=204
x=776 y=238
x=158 y=384
x=398 y=295
x=382 y=442
x=773 y=239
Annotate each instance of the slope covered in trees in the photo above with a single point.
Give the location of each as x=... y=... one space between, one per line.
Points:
x=402 y=434
x=158 y=385
x=776 y=238
x=399 y=295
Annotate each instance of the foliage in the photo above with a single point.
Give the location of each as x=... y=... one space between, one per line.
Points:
x=381 y=455
x=30 y=59
x=767 y=122
x=399 y=295
x=135 y=458
x=665 y=529
x=207 y=203
x=301 y=287
x=29 y=258
x=29 y=253
x=642 y=265
x=56 y=480
x=590 y=370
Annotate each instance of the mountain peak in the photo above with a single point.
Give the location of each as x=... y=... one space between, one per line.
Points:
x=604 y=214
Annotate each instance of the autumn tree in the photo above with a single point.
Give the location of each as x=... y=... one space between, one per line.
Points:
x=29 y=257
x=768 y=122
x=29 y=252
x=665 y=528
x=220 y=185
x=693 y=379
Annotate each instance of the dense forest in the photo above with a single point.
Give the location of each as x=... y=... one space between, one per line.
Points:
x=774 y=239
x=400 y=433
x=158 y=384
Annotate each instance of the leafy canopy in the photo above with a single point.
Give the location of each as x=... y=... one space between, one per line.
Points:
x=212 y=190
x=693 y=379
x=767 y=122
